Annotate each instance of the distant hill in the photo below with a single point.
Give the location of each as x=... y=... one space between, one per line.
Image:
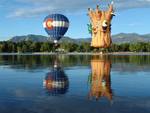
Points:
x=34 y=38
x=40 y=38
x=118 y=38
x=130 y=38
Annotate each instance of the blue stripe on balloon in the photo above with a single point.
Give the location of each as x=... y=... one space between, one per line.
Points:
x=58 y=28
x=54 y=17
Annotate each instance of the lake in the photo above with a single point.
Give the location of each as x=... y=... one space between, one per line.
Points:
x=74 y=84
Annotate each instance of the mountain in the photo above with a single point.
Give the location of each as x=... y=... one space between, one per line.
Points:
x=130 y=38
x=37 y=38
x=34 y=38
x=40 y=38
x=118 y=38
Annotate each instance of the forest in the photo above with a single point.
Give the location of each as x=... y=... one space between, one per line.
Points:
x=29 y=46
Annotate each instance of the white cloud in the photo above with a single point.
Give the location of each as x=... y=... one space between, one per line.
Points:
x=38 y=7
x=27 y=12
x=129 y=4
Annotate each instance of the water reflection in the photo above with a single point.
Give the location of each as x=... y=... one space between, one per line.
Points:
x=21 y=81
x=40 y=62
x=100 y=80
x=56 y=82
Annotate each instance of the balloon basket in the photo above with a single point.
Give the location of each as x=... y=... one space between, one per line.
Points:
x=56 y=47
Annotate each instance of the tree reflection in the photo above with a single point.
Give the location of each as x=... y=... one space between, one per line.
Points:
x=35 y=62
x=100 y=81
x=56 y=82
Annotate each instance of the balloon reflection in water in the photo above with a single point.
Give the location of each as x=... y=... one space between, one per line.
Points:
x=56 y=82
x=100 y=83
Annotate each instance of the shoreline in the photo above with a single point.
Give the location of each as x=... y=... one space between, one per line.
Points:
x=79 y=53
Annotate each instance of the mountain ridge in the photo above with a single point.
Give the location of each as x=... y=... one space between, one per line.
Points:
x=118 y=38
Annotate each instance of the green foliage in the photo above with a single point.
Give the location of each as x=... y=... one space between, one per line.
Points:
x=69 y=47
x=45 y=47
x=139 y=47
x=89 y=28
x=29 y=46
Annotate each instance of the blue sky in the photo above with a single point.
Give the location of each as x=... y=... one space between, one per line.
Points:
x=22 y=17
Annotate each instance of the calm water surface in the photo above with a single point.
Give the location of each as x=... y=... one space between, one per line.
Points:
x=74 y=84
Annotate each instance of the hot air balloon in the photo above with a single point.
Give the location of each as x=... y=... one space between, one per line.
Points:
x=56 y=82
x=101 y=26
x=100 y=80
x=56 y=25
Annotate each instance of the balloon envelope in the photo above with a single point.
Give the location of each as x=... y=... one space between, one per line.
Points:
x=56 y=82
x=56 y=25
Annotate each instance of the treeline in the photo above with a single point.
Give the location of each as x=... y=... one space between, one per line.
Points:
x=29 y=46
x=131 y=47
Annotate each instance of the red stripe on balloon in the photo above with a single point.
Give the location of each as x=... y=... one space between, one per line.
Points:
x=49 y=25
